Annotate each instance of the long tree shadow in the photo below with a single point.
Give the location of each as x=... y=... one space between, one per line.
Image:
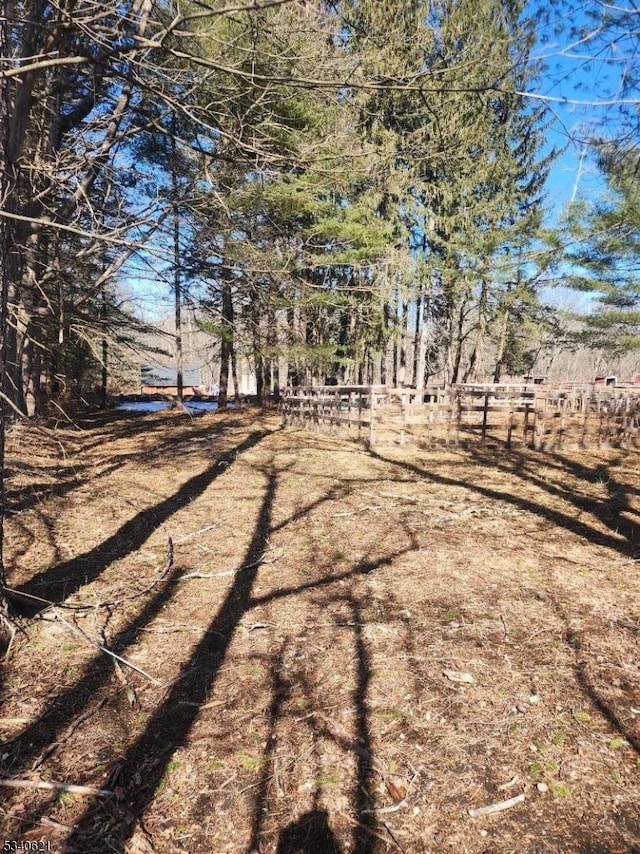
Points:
x=20 y=499
x=58 y=583
x=608 y=513
x=563 y=520
x=169 y=727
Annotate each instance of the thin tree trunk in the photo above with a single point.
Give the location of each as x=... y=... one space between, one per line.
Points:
x=421 y=340
x=5 y=250
x=502 y=345
x=226 y=344
x=475 y=360
x=502 y=336
x=234 y=373
x=457 y=359
x=177 y=279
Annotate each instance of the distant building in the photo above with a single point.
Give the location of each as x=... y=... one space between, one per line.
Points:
x=605 y=380
x=157 y=380
x=535 y=379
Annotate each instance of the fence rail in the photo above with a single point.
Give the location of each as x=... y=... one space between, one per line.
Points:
x=544 y=417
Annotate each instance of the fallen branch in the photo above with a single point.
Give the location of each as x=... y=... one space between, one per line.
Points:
x=106 y=651
x=498 y=807
x=229 y=572
x=392 y=835
x=28 y=598
x=56 y=787
x=186 y=537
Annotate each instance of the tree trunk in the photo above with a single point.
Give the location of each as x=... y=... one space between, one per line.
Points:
x=502 y=336
x=5 y=251
x=226 y=345
x=476 y=356
x=457 y=358
x=234 y=374
x=420 y=342
x=502 y=345
x=177 y=282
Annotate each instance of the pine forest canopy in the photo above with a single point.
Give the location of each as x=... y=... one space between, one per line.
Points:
x=353 y=190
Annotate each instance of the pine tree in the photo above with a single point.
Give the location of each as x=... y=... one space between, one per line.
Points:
x=606 y=261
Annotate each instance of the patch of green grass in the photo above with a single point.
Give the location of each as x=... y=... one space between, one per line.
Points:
x=616 y=743
x=393 y=715
x=581 y=716
x=544 y=768
x=171 y=766
x=535 y=770
x=614 y=776
x=561 y=790
x=328 y=780
x=254 y=669
x=66 y=798
x=250 y=763
x=559 y=739
x=452 y=614
x=215 y=765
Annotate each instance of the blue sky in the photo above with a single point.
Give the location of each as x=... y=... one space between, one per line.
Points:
x=582 y=82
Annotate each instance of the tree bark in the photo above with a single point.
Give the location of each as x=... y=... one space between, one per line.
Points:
x=502 y=337
x=475 y=359
x=6 y=238
x=226 y=344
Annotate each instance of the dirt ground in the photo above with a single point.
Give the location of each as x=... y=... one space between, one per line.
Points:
x=265 y=640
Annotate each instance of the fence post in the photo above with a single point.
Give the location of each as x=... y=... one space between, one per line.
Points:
x=372 y=435
x=484 y=417
x=510 y=426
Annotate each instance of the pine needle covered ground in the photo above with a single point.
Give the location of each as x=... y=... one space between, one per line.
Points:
x=319 y=649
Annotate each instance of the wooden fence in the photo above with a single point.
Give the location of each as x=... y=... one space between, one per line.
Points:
x=540 y=416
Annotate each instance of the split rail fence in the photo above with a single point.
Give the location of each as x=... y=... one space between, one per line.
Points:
x=539 y=416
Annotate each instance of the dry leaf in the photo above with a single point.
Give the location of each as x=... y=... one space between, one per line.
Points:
x=397 y=790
